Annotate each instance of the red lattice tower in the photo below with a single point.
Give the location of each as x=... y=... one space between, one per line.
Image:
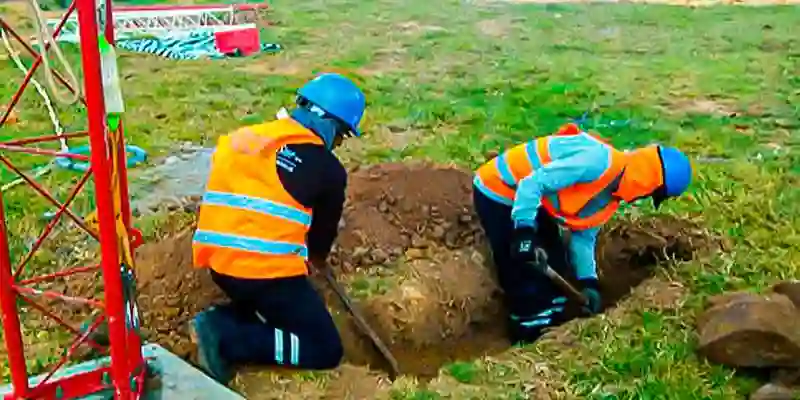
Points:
x=107 y=167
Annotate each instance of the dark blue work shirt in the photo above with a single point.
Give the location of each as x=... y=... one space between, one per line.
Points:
x=315 y=178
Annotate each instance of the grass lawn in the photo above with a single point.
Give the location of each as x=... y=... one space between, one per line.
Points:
x=452 y=80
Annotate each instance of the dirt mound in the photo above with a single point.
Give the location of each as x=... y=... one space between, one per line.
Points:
x=393 y=207
x=171 y=291
x=437 y=298
x=438 y=309
x=440 y=302
x=628 y=251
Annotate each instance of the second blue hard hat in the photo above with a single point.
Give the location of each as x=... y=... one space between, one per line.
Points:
x=677 y=170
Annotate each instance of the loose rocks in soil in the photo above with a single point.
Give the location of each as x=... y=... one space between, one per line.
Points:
x=392 y=208
x=415 y=223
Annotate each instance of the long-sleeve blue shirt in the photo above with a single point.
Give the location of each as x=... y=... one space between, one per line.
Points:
x=575 y=159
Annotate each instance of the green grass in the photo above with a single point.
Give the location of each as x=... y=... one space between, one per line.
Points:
x=455 y=79
x=463 y=372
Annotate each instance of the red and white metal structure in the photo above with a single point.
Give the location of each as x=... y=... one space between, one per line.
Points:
x=127 y=362
x=157 y=20
x=126 y=372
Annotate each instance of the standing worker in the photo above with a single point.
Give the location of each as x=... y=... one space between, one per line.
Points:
x=256 y=233
x=572 y=180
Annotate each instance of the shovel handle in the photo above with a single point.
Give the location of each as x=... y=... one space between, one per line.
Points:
x=565 y=285
x=557 y=278
x=361 y=322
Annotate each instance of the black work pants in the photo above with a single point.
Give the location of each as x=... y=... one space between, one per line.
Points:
x=533 y=301
x=276 y=322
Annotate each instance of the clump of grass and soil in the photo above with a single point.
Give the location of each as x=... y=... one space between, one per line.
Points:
x=449 y=82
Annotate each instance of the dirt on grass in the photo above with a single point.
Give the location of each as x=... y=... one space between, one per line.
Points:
x=702 y=106
x=416 y=223
x=277 y=65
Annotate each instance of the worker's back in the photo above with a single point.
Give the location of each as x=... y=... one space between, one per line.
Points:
x=590 y=164
x=257 y=210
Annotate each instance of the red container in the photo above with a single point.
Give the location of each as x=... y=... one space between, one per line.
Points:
x=244 y=39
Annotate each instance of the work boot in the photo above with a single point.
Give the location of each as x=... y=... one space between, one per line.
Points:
x=205 y=336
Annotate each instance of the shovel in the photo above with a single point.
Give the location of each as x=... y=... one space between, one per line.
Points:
x=361 y=322
x=548 y=271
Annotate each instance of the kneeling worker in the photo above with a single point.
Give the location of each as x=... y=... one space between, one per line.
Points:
x=256 y=232
x=571 y=180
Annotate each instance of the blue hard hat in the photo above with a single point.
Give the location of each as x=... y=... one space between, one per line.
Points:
x=338 y=96
x=677 y=172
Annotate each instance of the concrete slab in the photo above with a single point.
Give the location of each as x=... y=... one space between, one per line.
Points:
x=177 y=379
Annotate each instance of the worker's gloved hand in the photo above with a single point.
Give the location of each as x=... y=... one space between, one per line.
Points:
x=590 y=290
x=524 y=248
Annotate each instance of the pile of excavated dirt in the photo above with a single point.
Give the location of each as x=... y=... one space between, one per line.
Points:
x=170 y=291
x=417 y=221
x=436 y=299
x=392 y=208
x=628 y=251
x=440 y=309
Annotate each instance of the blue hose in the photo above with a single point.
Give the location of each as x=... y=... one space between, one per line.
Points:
x=136 y=155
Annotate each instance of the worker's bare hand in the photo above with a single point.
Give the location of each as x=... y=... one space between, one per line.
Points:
x=317 y=264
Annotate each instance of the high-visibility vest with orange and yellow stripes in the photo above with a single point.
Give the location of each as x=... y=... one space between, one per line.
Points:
x=500 y=181
x=249 y=225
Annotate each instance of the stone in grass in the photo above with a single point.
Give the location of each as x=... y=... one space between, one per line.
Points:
x=789 y=377
x=773 y=391
x=790 y=289
x=751 y=331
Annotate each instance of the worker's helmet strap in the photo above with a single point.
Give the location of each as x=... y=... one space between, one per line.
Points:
x=342 y=129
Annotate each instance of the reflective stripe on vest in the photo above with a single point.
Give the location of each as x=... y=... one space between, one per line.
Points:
x=256 y=245
x=498 y=180
x=249 y=226
x=252 y=244
x=254 y=204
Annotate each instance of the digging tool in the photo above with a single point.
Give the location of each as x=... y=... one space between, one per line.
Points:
x=361 y=322
x=545 y=268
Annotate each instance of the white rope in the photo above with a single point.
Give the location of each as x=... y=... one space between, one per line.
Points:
x=43 y=36
x=38 y=172
x=50 y=110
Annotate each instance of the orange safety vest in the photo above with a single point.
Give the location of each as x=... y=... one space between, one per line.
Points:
x=571 y=200
x=249 y=225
